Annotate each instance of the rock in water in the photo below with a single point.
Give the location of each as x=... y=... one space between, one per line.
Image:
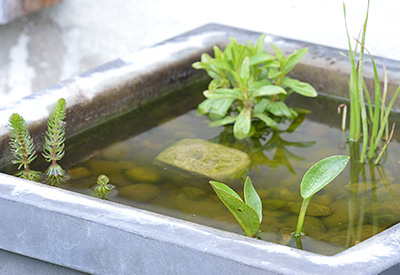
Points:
x=214 y=161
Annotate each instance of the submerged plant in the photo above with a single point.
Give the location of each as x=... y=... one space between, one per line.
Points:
x=102 y=188
x=250 y=84
x=22 y=147
x=248 y=213
x=53 y=149
x=316 y=178
x=368 y=123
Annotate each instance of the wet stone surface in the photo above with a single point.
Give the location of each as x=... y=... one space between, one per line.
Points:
x=205 y=158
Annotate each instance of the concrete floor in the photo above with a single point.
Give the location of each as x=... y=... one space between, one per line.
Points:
x=74 y=36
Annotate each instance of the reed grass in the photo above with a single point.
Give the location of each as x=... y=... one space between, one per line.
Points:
x=369 y=121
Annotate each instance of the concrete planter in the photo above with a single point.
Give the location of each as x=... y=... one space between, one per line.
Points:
x=44 y=228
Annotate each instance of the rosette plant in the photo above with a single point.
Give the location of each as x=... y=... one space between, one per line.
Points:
x=248 y=84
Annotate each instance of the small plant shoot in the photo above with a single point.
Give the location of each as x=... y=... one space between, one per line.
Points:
x=53 y=149
x=316 y=178
x=22 y=148
x=248 y=213
x=250 y=84
x=102 y=187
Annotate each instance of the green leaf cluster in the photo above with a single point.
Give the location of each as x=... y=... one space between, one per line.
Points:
x=250 y=84
x=248 y=213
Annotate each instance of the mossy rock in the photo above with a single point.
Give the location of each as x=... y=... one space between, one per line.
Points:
x=204 y=158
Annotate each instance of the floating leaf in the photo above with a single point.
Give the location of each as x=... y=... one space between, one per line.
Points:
x=321 y=174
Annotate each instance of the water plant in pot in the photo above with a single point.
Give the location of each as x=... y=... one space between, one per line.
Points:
x=133 y=221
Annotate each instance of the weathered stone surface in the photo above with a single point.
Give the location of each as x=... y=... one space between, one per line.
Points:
x=142 y=192
x=313 y=209
x=142 y=173
x=205 y=158
x=273 y=204
x=79 y=172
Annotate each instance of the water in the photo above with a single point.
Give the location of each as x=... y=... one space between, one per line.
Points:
x=339 y=216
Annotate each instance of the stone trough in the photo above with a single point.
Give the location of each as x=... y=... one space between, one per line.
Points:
x=47 y=230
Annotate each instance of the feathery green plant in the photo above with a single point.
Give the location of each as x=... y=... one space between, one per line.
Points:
x=22 y=147
x=102 y=188
x=53 y=149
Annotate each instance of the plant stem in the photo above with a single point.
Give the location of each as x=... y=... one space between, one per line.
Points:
x=302 y=215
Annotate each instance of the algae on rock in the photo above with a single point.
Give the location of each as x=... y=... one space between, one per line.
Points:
x=205 y=158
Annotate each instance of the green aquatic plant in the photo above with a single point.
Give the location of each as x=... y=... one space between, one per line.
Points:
x=22 y=147
x=102 y=187
x=368 y=123
x=316 y=178
x=53 y=149
x=248 y=213
x=250 y=84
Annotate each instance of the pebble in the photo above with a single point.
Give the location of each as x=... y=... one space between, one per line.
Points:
x=142 y=173
x=142 y=192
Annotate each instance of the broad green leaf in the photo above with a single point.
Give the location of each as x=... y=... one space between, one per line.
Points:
x=292 y=60
x=270 y=64
x=221 y=64
x=220 y=107
x=244 y=214
x=260 y=107
x=268 y=121
x=260 y=58
x=299 y=87
x=273 y=73
x=245 y=69
x=204 y=107
x=223 y=93
x=217 y=52
x=279 y=54
x=226 y=189
x=259 y=84
x=251 y=197
x=217 y=83
x=206 y=58
x=216 y=107
x=321 y=174
x=242 y=125
x=224 y=121
x=267 y=90
x=279 y=108
x=197 y=65
x=259 y=46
